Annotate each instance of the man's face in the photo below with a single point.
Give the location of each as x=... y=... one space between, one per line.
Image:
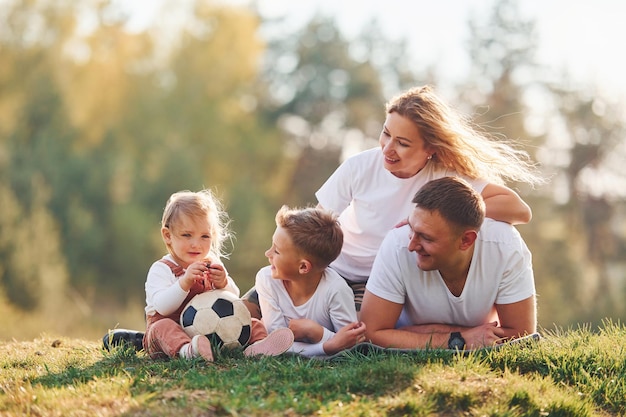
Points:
x=432 y=239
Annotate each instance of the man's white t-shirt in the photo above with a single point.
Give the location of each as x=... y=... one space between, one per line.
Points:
x=500 y=273
x=371 y=201
x=332 y=307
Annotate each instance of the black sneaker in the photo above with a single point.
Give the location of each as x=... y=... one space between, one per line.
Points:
x=118 y=337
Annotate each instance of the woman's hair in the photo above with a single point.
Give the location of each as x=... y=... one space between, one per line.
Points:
x=459 y=144
x=198 y=205
x=313 y=231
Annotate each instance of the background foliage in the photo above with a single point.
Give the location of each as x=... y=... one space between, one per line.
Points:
x=99 y=125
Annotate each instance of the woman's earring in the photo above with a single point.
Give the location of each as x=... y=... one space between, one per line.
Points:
x=429 y=157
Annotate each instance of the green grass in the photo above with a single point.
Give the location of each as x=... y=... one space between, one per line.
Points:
x=569 y=373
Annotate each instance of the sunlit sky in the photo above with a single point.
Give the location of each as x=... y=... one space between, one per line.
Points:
x=582 y=37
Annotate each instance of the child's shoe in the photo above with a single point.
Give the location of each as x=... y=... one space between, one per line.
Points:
x=201 y=347
x=119 y=337
x=274 y=344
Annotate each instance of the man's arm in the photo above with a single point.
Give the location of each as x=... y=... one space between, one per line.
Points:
x=380 y=317
x=515 y=320
x=518 y=319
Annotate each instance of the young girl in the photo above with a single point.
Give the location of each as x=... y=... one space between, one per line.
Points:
x=193 y=229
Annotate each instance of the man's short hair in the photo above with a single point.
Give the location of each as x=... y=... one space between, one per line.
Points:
x=455 y=200
x=313 y=231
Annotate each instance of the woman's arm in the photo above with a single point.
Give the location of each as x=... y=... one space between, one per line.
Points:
x=505 y=205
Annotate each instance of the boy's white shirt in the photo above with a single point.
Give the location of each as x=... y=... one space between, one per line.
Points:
x=331 y=306
x=163 y=292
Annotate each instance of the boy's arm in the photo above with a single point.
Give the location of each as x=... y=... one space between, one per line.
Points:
x=269 y=302
x=305 y=330
x=345 y=338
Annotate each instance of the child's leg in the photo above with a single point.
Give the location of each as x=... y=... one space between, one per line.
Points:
x=164 y=337
x=257 y=331
x=358 y=289
x=277 y=342
x=251 y=300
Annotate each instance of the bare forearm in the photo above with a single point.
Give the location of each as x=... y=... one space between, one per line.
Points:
x=405 y=339
x=507 y=209
x=434 y=328
x=504 y=204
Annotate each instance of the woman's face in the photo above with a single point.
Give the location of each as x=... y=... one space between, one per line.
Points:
x=405 y=152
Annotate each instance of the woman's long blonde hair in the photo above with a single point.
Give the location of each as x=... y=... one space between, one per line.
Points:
x=459 y=144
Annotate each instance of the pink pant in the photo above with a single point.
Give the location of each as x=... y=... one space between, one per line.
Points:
x=165 y=337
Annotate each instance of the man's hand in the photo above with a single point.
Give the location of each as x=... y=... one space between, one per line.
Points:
x=485 y=335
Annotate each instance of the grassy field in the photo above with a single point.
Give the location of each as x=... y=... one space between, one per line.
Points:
x=575 y=372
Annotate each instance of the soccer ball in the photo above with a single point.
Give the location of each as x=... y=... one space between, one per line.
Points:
x=220 y=316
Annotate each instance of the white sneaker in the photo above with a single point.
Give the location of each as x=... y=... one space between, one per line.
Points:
x=274 y=344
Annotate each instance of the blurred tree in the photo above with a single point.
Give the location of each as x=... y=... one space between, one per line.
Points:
x=593 y=146
x=34 y=143
x=327 y=95
x=507 y=86
x=502 y=47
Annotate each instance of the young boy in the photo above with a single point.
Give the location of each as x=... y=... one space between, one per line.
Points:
x=299 y=291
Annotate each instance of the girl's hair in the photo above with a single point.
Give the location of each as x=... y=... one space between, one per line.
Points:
x=313 y=231
x=197 y=205
x=459 y=144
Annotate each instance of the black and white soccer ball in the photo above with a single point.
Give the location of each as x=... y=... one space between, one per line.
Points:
x=220 y=316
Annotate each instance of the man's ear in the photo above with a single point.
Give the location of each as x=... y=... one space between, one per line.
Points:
x=305 y=266
x=467 y=239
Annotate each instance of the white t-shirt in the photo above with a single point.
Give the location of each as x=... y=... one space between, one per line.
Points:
x=371 y=201
x=163 y=296
x=500 y=273
x=332 y=307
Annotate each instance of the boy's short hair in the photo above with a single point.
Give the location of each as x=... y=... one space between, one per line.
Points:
x=314 y=231
x=454 y=199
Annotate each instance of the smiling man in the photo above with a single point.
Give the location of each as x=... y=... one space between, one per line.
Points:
x=450 y=278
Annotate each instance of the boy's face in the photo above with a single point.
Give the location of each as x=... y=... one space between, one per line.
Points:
x=283 y=256
x=189 y=239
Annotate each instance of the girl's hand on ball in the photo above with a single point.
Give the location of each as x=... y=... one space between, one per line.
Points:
x=194 y=274
x=217 y=276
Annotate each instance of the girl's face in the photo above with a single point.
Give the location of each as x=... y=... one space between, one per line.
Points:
x=404 y=150
x=189 y=239
x=283 y=256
